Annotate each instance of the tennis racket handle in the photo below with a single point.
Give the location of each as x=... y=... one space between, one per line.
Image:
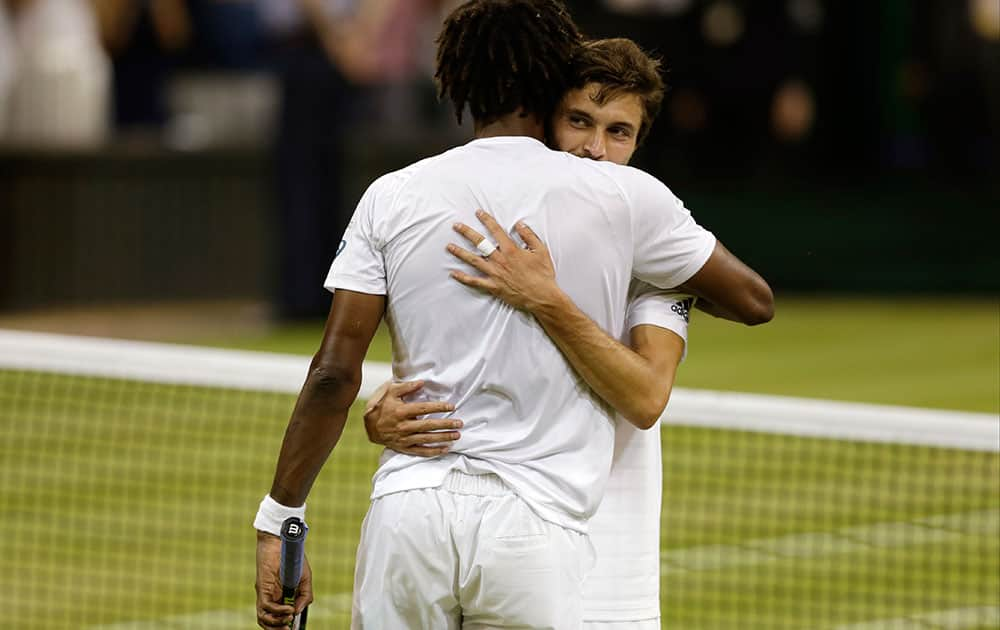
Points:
x=293 y=538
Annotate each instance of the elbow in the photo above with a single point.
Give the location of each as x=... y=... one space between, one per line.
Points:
x=647 y=412
x=333 y=379
x=760 y=314
x=760 y=306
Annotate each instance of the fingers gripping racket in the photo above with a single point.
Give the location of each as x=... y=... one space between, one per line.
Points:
x=293 y=539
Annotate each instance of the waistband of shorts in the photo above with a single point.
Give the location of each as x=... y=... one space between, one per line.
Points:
x=487 y=485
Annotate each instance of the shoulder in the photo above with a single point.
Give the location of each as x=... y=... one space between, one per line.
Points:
x=390 y=183
x=385 y=189
x=636 y=185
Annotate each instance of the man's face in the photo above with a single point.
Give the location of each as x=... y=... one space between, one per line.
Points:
x=599 y=132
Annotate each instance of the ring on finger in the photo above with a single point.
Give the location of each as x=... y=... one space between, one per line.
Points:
x=486 y=247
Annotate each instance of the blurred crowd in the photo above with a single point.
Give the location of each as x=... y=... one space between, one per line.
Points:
x=74 y=73
x=759 y=91
x=200 y=73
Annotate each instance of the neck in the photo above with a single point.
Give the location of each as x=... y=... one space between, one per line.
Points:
x=515 y=124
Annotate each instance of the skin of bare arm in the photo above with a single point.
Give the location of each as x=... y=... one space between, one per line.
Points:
x=315 y=427
x=729 y=289
x=636 y=385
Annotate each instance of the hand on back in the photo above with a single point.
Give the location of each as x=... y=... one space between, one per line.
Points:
x=400 y=425
x=523 y=277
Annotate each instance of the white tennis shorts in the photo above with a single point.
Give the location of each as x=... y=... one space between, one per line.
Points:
x=469 y=554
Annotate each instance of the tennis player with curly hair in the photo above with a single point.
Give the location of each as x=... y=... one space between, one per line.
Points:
x=493 y=533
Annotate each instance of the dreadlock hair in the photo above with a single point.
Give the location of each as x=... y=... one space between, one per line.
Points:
x=498 y=56
x=620 y=67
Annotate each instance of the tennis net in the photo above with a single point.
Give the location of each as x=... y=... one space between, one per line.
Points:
x=130 y=472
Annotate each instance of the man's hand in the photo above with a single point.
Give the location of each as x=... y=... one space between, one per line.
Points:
x=271 y=611
x=395 y=424
x=522 y=277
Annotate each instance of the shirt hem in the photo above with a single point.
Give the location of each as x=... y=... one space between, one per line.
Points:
x=352 y=283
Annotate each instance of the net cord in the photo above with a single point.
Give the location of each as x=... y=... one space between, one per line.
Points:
x=284 y=373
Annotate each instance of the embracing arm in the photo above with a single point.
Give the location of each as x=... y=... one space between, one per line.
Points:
x=636 y=381
x=329 y=390
x=730 y=289
x=636 y=385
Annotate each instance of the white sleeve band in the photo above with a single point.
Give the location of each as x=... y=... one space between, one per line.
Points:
x=271 y=515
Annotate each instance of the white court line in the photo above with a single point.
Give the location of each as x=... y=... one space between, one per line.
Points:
x=944 y=528
x=953 y=619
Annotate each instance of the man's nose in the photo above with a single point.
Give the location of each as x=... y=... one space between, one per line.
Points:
x=595 y=146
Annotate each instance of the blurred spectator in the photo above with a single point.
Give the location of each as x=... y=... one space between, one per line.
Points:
x=317 y=102
x=8 y=67
x=649 y=6
x=145 y=39
x=58 y=94
x=403 y=66
x=226 y=34
x=324 y=51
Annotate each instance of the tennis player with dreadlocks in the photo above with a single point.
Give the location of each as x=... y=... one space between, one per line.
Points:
x=493 y=534
x=605 y=116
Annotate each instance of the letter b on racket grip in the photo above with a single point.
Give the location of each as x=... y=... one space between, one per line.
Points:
x=293 y=540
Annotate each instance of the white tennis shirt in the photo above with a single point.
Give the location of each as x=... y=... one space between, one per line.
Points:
x=624 y=584
x=528 y=417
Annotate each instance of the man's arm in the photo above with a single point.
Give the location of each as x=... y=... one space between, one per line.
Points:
x=396 y=424
x=315 y=427
x=731 y=290
x=330 y=388
x=637 y=386
x=636 y=381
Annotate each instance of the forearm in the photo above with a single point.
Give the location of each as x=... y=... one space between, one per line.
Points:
x=314 y=429
x=616 y=373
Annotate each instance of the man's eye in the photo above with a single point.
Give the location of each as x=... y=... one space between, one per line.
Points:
x=621 y=132
x=577 y=121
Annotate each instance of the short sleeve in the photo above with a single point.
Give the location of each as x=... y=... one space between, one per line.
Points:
x=359 y=264
x=669 y=245
x=667 y=309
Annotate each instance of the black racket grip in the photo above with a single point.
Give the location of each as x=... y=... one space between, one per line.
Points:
x=293 y=539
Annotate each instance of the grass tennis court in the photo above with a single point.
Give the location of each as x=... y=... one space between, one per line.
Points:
x=127 y=505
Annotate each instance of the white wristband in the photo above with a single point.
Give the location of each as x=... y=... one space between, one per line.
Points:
x=271 y=514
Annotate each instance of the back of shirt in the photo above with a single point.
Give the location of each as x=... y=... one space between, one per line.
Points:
x=528 y=417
